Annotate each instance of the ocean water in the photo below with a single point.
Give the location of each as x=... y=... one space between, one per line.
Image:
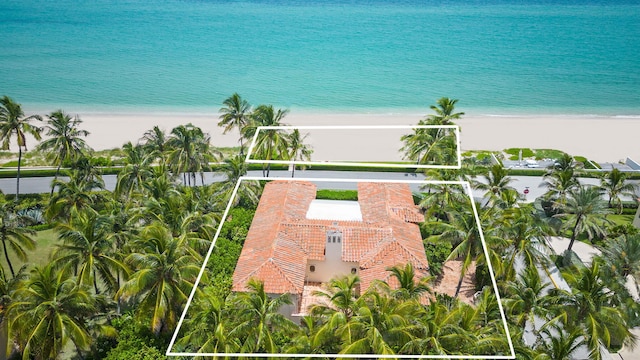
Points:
x=495 y=56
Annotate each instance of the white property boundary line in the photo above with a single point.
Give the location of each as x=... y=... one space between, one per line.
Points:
x=464 y=184
x=456 y=129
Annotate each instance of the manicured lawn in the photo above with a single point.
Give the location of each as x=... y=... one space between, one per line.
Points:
x=515 y=153
x=621 y=219
x=45 y=243
x=548 y=153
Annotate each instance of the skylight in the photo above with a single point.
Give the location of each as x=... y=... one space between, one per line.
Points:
x=334 y=210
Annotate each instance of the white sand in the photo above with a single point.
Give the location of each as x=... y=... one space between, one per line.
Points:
x=597 y=138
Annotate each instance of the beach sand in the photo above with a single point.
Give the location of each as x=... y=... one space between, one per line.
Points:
x=603 y=139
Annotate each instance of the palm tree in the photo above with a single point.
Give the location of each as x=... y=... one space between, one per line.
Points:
x=257 y=315
x=496 y=182
x=136 y=171
x=613 y=183
x=621 y=257
x=52 y=310
x=565 y=163
x=8 y=288
x=593 y=308
x=189 y=152
x=207 y=327
x=64 y=141
x=236 y=113
x=342 y=294
x=558 y=344
x=430 y=146
x=164 y=271
x=584 y=211
x=440 y=199
x=14 y=235
x=121 y=227
x=155 y=142
x=526 y=299
x=408 y=287
x=438 y=331
x=433 y=145
x=298 y=150
x=271 y=144
x=87 y=251
x=86 y=169
x=161 y=185
x=13 y=121
x=75 y=195
x=526 y=236
x=465 y=237
x=559 y=184
x=234 y=168
x=381 y=325
x=445 y=112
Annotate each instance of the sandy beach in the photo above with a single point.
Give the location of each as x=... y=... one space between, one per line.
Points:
x=603 y=139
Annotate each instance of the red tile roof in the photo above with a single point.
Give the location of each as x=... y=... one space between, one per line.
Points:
x=281 y=240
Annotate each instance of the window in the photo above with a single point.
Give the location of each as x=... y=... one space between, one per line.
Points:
x=312 y=268
x=334 y=236
x=354 y=270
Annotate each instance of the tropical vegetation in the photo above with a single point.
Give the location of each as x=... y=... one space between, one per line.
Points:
x=125 y=262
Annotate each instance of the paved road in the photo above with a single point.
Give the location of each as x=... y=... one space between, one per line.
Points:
x=533 y=183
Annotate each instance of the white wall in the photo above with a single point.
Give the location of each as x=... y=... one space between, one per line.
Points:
x=332 y=266
x=287 y=310
x=636 y=219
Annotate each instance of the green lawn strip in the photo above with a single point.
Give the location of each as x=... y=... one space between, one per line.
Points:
x=621 y=219
x=326 y=194
x=548 y=154
x=515 y=153
x=589 y=165
x=45 y=243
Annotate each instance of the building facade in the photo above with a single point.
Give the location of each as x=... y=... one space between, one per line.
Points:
x=296 y=243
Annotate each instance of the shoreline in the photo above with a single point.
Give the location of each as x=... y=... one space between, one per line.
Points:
x=597 y=137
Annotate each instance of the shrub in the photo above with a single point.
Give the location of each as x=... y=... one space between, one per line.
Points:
x=101 y=161
x=133 y=342
x=237 y=222
x=483 y=277
x=437 y=253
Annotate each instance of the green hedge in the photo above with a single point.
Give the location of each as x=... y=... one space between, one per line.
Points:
x=34 y=172
x=325 y=194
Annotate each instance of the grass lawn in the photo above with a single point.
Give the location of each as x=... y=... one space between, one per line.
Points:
x=45 y=242
x=615 y=218
x=548 y=154
x=621 y=219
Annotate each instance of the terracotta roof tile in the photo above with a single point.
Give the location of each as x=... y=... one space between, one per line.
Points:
x=281 y=240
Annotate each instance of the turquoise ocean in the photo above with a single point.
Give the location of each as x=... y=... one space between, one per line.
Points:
x=364 y=56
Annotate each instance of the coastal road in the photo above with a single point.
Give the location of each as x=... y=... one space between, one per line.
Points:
x=520 y=183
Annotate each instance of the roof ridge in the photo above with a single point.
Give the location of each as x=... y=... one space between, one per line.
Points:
x=269 y=260
x=284 y=274
x=330 y=223
x=392 y=241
